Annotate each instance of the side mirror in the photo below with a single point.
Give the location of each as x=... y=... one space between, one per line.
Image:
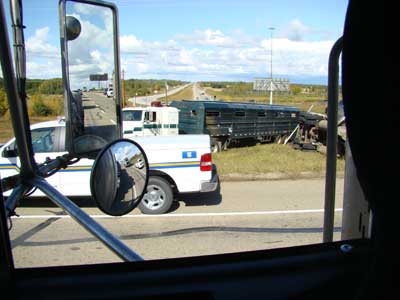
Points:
x=119 y=177
x=91 y=63
x=9 y=153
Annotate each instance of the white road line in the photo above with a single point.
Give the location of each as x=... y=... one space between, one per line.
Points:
x=112 y=121
x=190 y=215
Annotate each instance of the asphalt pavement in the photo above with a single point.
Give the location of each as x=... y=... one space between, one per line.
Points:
x=146 y=100
x=240 y=216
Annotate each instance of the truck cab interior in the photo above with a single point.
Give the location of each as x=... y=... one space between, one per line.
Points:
x=354 y=269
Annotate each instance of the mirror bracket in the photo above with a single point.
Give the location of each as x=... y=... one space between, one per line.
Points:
x=9 y=153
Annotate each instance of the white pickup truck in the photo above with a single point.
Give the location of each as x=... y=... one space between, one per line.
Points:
x=177 y=164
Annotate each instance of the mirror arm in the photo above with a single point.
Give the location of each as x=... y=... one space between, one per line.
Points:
x=45 y=170
x=51 y=166
x=108 y=239
x=10 y=182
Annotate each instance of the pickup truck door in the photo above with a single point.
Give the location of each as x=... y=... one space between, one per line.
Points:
x=45 y=143
x=74 y=180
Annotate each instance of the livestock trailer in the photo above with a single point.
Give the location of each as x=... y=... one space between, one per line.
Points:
x=232 y=122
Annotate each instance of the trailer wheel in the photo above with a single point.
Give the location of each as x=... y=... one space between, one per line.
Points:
x=278 y=139
x=216 y=147
x=158 y=198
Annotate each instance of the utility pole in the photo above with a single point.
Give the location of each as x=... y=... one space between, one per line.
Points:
x=123 y=88
x=166 y=93
x=134 y=89
x=271 y=84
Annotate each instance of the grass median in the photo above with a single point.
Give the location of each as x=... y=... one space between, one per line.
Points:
x=185 y=94
x=271 y=161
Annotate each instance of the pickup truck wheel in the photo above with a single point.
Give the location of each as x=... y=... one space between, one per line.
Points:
x=158 y=198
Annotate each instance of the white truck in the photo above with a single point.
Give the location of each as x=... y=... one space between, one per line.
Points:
x=150 y=121
x=177 y=164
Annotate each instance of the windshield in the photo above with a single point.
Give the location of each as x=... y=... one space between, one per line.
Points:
x=133 y=115
x=236 y=147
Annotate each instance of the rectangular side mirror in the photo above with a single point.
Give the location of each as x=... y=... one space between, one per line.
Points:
x=90 y=63
x=9 y=153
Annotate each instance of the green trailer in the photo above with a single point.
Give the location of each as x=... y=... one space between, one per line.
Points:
x=230 y=123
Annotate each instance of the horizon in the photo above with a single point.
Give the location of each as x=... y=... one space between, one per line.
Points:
x=190 y=82
x=208 y=41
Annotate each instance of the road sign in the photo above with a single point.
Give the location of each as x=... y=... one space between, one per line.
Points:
x=98 y=77
x=268 y=84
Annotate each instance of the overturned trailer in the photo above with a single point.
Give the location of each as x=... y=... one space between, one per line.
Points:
x=230 y=123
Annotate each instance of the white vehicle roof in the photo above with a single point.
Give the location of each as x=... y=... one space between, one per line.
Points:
x=153 y=108
x=55 y=123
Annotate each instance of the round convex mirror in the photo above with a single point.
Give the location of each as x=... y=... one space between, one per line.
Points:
x=119 y=177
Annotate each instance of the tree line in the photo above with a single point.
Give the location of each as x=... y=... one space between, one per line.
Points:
x=44 y=97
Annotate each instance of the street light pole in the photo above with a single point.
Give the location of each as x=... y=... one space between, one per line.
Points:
x=271 y=84
x=123 y=87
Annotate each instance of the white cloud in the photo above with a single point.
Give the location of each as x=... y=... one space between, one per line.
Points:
x=204 y=54
x=213 y=53
x=129 y=43
x=207 y=37
x=299 y=58
x=43 y=58
x=296 y=30
x=38 y=45
x=49 y=69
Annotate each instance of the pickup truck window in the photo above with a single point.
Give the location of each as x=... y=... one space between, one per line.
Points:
x=43 y=140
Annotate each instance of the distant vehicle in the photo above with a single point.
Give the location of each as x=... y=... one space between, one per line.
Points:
x=139 y=164
x=152 y=120
x=84 y=89
x=127 y=162
x=202 y=93
x=109 y=92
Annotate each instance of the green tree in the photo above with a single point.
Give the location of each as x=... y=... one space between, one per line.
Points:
x=295 y=89
x=51 y=86
x=39 y=108
x=3 y=102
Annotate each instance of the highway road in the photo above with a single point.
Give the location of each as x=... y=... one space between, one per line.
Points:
x=241 y=216
x=98 y=109
x=146 y=100
x=199 y=93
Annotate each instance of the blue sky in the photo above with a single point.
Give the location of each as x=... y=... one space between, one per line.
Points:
x=203 y=40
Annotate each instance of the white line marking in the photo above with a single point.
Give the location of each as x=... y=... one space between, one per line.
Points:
x=112 y=121
x=190 y=215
